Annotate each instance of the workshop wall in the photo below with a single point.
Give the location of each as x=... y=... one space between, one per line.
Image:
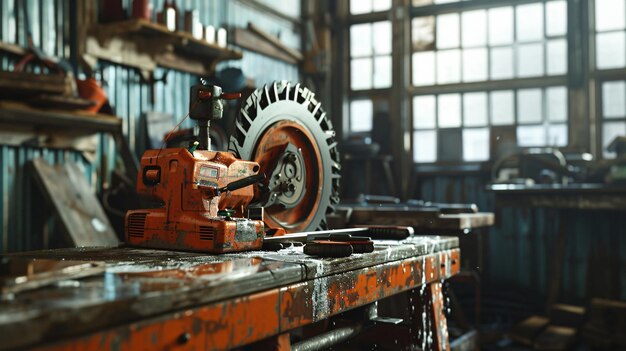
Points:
x=129 y=96
x=519 y=247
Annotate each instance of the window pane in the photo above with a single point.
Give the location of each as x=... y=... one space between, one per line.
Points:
x=423 y=33
x=448 y=31
x=610 y=14
x=475 y=109
x=613 y=104
x=474 y=65
x=501 y=25
x=425 y=146
x=502 y=107
x=381 y=5
x=529 y=106
x=424 y=111
x=611 y=50
x=557 y=135
x=424 y=68
x=361 y=73
x=530 y=60
x=557 y=104
x=449 y=107
x=611 y=130
x=448 y=66
x=501 y=63
x=360 y=39
x=529 y=22
x=557 y=56
x=358 y=7
x=556 y=18
x=361 y=115
x=476 y=144
x=450 y=145
x=474 y=28
x=531 y=136
x=382 y=72
x=382 y=37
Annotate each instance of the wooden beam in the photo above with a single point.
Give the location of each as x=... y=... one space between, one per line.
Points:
x=296 y=54
x=246 y=39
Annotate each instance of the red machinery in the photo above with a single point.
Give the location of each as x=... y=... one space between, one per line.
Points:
x=207 y=201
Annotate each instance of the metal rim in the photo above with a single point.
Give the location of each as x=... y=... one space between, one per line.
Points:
x=291 y=113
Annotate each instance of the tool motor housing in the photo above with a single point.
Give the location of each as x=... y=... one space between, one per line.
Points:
x=187 y=185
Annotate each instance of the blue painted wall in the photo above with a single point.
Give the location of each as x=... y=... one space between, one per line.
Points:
x=128 y=96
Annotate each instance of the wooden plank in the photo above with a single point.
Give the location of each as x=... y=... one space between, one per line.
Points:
x=296 y=54
x=12 y=48
x=141 y=284
x=578 y=196
x=527 y=330
x=66 y=188
x=144 y=44
x=556 y=338
x=244 y=38
x=567 y=315
x=420 y=220
x=21 y=274
x=24 y=84
x=18 y=113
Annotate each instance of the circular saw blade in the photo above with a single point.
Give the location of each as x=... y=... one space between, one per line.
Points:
x=284 y=114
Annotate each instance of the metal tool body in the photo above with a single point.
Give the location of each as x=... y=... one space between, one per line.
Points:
x=219 y=202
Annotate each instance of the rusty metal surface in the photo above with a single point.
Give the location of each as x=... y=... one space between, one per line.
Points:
x=281 y=290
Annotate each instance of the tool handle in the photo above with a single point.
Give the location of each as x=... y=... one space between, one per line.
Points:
x=207 y=95
x=230 y=96
x=389 y=232
x=244 y=182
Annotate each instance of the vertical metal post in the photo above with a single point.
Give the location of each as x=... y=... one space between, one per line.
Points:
x=203 y=135
x=399 y=101
x=582 y=134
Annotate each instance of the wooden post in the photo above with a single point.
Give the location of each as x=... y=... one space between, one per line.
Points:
x=428 y=320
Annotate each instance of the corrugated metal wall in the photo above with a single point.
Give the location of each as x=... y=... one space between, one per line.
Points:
x=128 y=95
x=520 y=245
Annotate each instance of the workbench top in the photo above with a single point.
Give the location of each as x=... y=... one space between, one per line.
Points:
x=137 y=283
x=582 y=196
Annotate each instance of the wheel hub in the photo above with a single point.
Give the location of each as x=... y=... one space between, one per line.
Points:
x=287 y=182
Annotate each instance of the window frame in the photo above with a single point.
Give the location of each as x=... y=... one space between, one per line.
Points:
x=597 y=79
x=373 y=94
x=514 y=84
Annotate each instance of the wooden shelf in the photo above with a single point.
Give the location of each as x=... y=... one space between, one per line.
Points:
x=145 y=45
x=17 y=113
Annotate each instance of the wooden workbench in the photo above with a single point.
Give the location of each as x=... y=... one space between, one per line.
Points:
x=574 y=196
x=423 y=221
x=149 y=299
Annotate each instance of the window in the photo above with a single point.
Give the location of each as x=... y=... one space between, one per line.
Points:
x=359 y=7
x=610 y=37
x=361 y=115
x=538 y=116
x=456 y=50
x=430 y=2
x=370 y=64
x=370 y=55
x=613 y=114
x=610 y=34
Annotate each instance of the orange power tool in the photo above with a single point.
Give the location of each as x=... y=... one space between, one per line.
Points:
x=218 y=201
x=204 y=194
